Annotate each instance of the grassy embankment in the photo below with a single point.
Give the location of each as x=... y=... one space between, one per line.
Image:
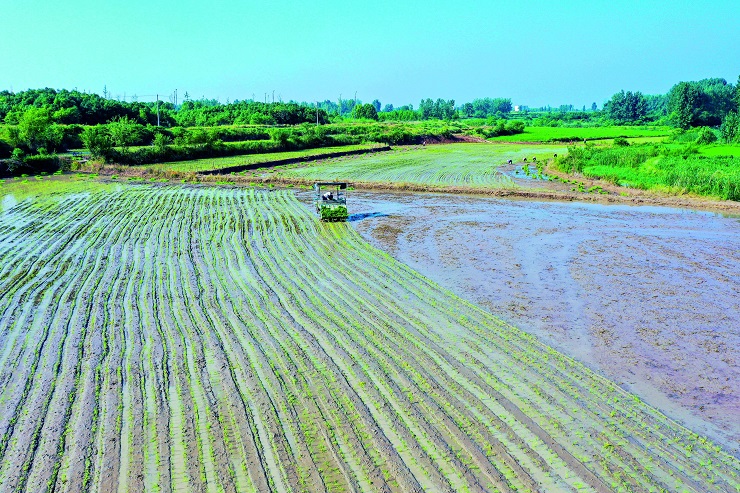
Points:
x=707 y=171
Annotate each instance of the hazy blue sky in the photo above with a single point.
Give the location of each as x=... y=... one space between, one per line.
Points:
x=535 y=52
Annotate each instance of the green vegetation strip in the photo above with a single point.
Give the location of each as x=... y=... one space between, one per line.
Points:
x=221 y=339
x=671 y=169
x=474 y=165
x=202 y=165
x=576 y=134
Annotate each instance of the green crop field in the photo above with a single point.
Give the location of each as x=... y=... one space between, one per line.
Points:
x=453 y=164
x=720 y=150
x=576 y=134
x=207 y=339
x=200 y=165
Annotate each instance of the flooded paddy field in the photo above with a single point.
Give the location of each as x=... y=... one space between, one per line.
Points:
x=191 y=338
x=646 y=296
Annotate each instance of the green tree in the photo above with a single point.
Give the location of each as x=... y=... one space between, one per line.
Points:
x=701 y=103
x=491 y=107
x=684 y=101
x=67 y=115
x=717 y=100
x=657 y=105
x=706 y=136
x=730 y=129
x=377 y=105
x=366 y=111
x=627 y=107
x=160 y=143
x=32 y=127
x=200 y=137
x=97 y=140
x=122 y=132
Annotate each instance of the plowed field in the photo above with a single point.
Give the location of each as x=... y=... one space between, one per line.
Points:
x=204 y=339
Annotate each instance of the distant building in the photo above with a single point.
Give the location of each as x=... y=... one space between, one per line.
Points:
x=519 y=108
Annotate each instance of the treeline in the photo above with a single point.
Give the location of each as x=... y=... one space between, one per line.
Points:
x=42 y=122
x=73 y=107
x=125 y=141
x=704 y=103
x=78 y=108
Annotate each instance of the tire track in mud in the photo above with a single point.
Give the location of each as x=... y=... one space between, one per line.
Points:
x=210 y=339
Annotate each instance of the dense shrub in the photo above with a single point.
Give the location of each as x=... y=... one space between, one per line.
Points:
x=706 y=136
x=496 y=128
x=157 y=154
x=621 y=142
x=30 y=165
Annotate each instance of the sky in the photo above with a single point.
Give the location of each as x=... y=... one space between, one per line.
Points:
x=398 y=51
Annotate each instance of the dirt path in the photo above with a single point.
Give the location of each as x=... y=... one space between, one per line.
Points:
x=645 y=295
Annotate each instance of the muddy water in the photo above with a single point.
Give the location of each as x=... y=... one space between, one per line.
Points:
x=646 y=296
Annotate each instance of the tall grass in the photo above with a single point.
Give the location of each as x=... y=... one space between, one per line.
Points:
x=676 y=170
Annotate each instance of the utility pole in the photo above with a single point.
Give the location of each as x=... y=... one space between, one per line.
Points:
x=157 y=109
x=273 y=96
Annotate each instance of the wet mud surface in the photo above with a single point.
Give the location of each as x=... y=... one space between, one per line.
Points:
x=646 y=296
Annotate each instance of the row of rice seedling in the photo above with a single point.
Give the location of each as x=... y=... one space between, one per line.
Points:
x=212 y=339
x=474 y=165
